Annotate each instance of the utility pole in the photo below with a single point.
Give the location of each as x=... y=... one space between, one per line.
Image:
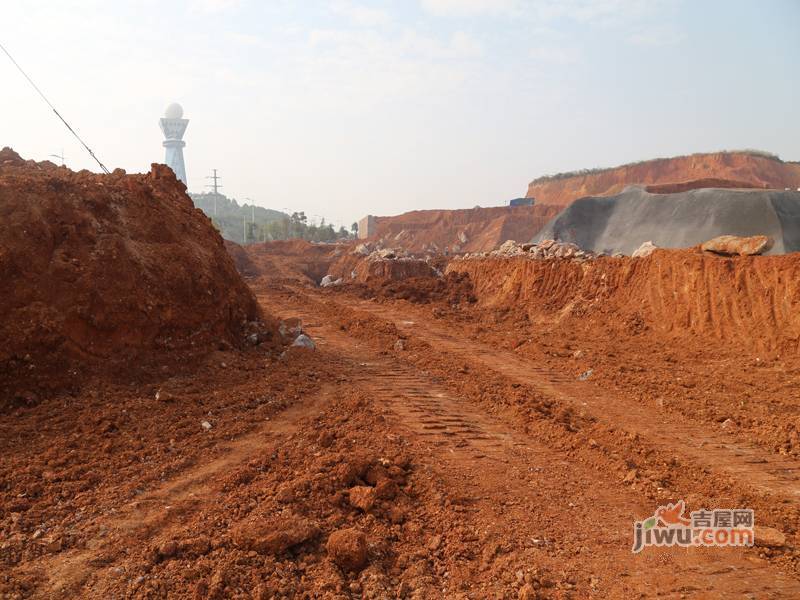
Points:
x=215 y=187
x=61 y=156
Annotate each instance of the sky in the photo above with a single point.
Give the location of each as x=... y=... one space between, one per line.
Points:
x=343 y=108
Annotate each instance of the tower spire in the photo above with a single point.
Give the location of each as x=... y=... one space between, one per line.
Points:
x=173 y=126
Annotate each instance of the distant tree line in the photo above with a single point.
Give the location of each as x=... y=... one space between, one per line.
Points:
x=248 y=223
x=296 y=226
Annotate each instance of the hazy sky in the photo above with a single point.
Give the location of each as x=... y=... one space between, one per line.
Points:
x=347 y=107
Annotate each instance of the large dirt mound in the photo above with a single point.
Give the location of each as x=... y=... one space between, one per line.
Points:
x=623 y=222
x=677 y=294
x=105 y=268
x=465 y=230
x=754 y=169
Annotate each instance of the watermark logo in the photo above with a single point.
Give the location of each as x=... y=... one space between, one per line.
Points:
x=719 y=527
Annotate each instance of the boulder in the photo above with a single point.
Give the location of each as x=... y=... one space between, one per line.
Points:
x=644 y=250
x=362 y=497
x=769 y=536
x=273 y=536
x=303 y=341
x=730 y=245
x=348 y=549
x=326 y=281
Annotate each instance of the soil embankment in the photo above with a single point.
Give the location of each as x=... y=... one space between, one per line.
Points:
x=102 y=270
x=755 y=169
x=750 y=301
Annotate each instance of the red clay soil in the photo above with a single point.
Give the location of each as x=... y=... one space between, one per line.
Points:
x=483 y=228
x=105 y=271
x=451 y=289
x=696 y=184
x=291 y=259
x=758 y=171
x=748 y=301
x=438 y=448
x=241 y=259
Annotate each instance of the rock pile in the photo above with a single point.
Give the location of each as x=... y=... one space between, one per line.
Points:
x=544 y=250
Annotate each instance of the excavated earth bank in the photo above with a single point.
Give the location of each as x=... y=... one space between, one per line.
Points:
x=107 y=271
x=744 y=300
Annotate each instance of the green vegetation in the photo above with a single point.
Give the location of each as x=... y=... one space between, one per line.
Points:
x=248 y=223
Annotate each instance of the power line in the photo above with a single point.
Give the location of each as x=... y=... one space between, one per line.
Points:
x=215 y=187
x=72 y=131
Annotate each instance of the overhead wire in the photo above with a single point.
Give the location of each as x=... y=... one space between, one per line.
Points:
x=71 y=130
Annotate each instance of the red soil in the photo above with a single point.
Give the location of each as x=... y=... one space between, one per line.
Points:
x=758 y=171
x=696 y=184
x=287 y=259
x=104 y=270
x=746 y=301
x=483 y=228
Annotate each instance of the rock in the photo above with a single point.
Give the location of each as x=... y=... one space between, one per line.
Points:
x=362 y=249
x=509 y=248
x=303 y=341
x=462 y=237
x=630 y=476
x=769 y=536
x=253 y=339
x=386 y=489
x=729 y=245
x=728 y=423
x=400 y=345
x=168 y=550
x=327 y=281
x=396 y=515
x=362 y=497
x=644 y=250
x=206 y=425
x=348 y=549
x=273 y=536
x=526 y=592
x=585 y=375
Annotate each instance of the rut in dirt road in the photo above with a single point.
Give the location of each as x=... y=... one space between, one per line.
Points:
x=759 y=468
x=532 y=496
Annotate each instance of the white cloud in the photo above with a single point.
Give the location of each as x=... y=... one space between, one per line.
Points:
x=583 y=11
x=214 y=6
x=555 y=55
x=470 y=8
x=658 y=36
x=364 y=16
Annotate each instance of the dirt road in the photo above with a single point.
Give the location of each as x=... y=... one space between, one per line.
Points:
x=470 y=470
x=559 y=494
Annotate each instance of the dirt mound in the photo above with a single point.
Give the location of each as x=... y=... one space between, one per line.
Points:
x=287 y=259
x=467 y=230
x=106 y=269
x=754 y=169
x=621 y=223
x=752 y=301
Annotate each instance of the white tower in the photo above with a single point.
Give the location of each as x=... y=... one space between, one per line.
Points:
x=173 y=126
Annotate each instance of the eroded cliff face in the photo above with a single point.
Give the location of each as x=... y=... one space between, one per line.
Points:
x=739 y=167
x=465 y=230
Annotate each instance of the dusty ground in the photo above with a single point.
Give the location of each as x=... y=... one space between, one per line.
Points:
x=448 y=440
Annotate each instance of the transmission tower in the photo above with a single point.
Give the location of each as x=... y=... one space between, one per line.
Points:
x=215 y=186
